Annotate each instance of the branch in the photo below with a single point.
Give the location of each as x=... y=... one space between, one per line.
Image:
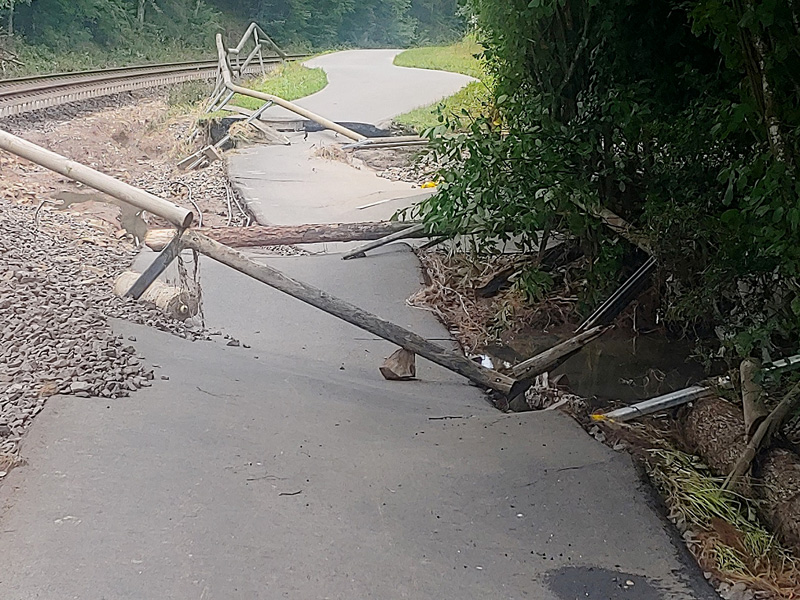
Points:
x=765 y=431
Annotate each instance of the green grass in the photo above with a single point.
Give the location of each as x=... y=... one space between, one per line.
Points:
x=290 y=82
x=472 y=99
x=457 y=58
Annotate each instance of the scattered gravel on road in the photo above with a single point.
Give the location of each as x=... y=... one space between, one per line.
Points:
x=412 y=165
x=56 y=300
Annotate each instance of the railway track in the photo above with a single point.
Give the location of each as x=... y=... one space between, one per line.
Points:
x=26 y=94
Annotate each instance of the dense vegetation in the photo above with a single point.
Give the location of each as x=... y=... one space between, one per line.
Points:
x=57 y=35
x=363 y=23
x=682 y=116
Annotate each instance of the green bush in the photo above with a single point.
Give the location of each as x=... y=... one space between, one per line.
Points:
x=682 y=117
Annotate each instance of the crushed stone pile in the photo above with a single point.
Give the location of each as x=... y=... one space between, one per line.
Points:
x=56 y=300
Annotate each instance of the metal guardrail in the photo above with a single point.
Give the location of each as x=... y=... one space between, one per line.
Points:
x=26 y=94
x=226 y=88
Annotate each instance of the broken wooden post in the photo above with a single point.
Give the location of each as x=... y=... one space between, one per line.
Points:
x=752 y=396
x=547 y=360
x=178 y=303
x=400 y=366
x=412 y=342
x=408 y=232
x=284 y=235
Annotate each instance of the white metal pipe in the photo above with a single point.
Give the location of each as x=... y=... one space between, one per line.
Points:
x=673 y=399
x=326 y=123
x=177 y=215
x=667 y=401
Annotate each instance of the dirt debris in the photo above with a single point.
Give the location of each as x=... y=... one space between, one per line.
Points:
x=411 y=165
x=137 y=143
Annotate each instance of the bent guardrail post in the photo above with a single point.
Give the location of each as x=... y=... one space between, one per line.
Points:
x=177 y=215
x=228 y=79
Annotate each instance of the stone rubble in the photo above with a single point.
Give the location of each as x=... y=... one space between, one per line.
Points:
x=55 y=304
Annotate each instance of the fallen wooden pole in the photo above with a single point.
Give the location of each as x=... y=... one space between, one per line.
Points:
x=177 y=215
x=547 y=360
x=285 y=235
x=412 y=342
x=417 y=230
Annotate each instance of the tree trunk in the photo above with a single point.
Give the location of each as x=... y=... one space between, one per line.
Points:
x=140 y=12
x=285 y=235
x=713 y=430
x=10 y=18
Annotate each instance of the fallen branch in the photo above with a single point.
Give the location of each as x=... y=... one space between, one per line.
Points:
x=285 y=235
x=763 y=434
x=547 y=360
x=417 y=230
x=618 y=225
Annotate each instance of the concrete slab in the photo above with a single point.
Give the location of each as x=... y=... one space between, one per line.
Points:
x=286 y=476
x=289 y=185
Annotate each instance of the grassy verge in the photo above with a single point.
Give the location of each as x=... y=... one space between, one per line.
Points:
x=290 y=82
x=456 y=58
x=468 y=102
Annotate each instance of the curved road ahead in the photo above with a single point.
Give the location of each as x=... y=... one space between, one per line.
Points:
x=364 y=86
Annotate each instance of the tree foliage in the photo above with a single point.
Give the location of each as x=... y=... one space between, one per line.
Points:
x=682 y=117
x=363 y=23
x=137 y=25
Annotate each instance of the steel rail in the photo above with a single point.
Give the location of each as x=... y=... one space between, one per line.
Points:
x=25 y=94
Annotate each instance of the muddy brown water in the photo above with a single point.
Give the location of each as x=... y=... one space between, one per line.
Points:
x=130 y=217
x=618 y=366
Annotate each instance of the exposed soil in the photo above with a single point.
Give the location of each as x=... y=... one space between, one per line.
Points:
x=137 y=143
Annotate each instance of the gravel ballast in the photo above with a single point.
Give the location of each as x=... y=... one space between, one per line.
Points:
x=56 y=300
